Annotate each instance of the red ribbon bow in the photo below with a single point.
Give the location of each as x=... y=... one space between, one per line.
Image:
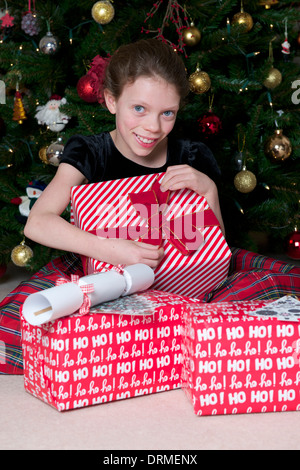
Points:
x=181 y=231
x=86 y=289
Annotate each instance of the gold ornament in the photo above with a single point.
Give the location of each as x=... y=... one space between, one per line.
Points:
x=245 y=181
x=267 y=3
x=278 y=147
x=103 y=12
x=191 y=35
x=243 y=19
x=19 y=112
x=21 y=254
x=199 y=82
x=273 y=79
x=42 y=155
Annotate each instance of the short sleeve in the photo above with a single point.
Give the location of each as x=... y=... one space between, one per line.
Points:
x=197 y=155
x=84 y=153
x=202 y=158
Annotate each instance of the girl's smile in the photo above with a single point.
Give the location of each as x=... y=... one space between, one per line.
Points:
x=146 y=143
x=145 y=115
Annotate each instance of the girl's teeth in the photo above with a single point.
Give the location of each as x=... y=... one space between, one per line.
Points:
x=146 y=141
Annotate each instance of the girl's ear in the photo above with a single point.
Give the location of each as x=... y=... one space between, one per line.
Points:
x=110 y=101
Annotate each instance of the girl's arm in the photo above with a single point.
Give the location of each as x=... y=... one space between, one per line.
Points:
x=184 y=176
x=46 y=226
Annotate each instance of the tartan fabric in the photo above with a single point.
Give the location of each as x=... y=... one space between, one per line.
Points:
x=255 y=277
x=243 y=260
x=251 y=277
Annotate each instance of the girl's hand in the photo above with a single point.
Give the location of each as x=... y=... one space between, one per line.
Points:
x=120 y=251
x=184 y=176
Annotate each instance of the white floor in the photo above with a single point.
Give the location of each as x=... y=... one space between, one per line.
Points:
x=163 y=421
x=155 y=422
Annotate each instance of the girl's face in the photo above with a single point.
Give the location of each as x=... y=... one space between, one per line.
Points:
x=145 y=114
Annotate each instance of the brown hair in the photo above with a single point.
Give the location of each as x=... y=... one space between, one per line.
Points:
x=147 y=57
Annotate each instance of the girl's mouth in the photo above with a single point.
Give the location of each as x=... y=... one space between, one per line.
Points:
x=144 y=141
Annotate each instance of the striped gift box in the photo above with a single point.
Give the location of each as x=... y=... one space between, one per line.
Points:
x=106 y=209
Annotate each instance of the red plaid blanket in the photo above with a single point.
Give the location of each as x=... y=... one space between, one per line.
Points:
x=256 y=277
x=251 y=277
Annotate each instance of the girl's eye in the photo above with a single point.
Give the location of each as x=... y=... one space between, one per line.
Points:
x=168 y=113
x=139 y=109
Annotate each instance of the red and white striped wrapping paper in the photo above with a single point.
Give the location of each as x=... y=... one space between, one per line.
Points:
x=107 y=205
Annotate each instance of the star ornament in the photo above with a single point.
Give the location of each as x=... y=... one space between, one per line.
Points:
x=7 y=20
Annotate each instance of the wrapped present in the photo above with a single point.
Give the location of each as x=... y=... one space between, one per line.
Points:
x=241 y=357
x=121 y=349
x=196 y=256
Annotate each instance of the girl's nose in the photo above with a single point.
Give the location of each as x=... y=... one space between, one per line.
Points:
x=152 y=123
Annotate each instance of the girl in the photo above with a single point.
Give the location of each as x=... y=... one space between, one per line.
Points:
x=144 y=86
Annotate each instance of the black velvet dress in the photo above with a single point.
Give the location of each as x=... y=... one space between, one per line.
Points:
x=98 y=159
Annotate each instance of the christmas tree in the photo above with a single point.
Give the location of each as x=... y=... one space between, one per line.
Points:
x=242 y=60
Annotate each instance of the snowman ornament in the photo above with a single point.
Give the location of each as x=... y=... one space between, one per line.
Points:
x=50 y=114
x=25 y=203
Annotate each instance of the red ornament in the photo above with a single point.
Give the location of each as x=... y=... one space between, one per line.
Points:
x=90 y=86
x=97 y=73
x=86 y=90
x=7 y=20
x=209 y=124
x=293 y=248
